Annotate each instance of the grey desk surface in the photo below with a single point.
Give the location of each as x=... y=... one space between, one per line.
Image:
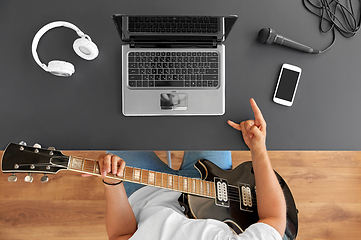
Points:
x=84 y=111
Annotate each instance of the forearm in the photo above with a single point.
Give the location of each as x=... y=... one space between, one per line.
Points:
x=119 y=217
x=271 y=203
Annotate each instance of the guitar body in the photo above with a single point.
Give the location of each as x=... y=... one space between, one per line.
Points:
x=237 y=219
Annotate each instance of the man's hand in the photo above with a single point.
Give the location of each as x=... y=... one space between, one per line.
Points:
x=253 y=131
x=270 y=199
x=110 y=163
x=119 y=217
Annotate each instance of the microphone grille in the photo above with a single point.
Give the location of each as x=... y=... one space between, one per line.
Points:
x=266 y=36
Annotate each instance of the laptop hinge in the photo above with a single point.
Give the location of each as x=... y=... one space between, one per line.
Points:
x=170 y=44
x=214 y=43
x=150 y=42
x=132 y=43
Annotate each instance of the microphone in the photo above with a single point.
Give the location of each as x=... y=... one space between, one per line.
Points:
x=269 y=36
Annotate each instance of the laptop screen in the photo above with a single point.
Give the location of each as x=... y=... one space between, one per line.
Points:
x=166 y=28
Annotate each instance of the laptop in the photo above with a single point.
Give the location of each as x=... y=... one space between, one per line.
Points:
x=173 y=65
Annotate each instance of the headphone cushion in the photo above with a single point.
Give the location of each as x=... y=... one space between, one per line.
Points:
x=61 y=68
x=85 y=48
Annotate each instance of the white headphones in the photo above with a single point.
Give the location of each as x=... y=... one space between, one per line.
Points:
x=83 y=46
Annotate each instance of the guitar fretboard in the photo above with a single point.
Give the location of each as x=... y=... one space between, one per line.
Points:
x=147 y=177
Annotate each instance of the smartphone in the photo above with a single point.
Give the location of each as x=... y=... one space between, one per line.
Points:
x=287 y=84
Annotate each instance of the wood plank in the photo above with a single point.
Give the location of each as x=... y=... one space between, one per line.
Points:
x=52 y=219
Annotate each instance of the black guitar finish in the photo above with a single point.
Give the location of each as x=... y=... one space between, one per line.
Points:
x=26 y=159
x=237 y=219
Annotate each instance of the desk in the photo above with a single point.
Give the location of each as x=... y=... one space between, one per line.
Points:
x=84 y=111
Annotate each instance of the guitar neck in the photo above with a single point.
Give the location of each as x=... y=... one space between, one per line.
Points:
x=177 y=183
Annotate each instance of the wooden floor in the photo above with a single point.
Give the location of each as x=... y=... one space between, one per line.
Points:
x=326 y=187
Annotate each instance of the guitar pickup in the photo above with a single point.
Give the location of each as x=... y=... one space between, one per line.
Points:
x=245 y=196
x=221 y=186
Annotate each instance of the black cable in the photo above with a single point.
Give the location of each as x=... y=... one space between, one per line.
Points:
x=335 y=16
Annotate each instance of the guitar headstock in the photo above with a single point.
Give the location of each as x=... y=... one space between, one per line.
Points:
x=20 y=158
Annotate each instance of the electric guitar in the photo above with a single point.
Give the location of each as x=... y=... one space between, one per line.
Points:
x=225 y=195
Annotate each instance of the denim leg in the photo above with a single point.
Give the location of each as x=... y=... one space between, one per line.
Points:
x=222 y=159
x=141 y=159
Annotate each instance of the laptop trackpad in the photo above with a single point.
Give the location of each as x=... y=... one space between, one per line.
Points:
x=173 y=101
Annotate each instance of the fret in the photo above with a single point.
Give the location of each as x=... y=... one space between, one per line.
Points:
x=198 y=187
x=180 y=183
x=136 y=175
x=206 y=184
x=176 y=182
x=88 y=165
x=208 y=189
x=82 y=165
x=185 y=184
x=194 y=186
x=213 y=189
x=151 y=178
x=189 y=185
x=164 y=180
x=94 y=166
x=145 y=176
x=158 y=179
x=128 y=173
x=170 y=181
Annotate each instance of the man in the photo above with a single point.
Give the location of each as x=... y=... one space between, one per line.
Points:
x=153 y=213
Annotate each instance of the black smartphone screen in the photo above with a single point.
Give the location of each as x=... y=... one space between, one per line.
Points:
x=287 y=84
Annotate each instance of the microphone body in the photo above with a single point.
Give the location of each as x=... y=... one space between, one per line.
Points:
x=269 y=36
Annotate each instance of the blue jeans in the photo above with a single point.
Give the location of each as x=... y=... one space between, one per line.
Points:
x=150 y=161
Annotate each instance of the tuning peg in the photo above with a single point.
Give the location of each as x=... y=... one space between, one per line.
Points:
x=44 y=179
x=37 y=145
x=51 y=148
x=22 y=143
x=12 y=178
x=28 y=178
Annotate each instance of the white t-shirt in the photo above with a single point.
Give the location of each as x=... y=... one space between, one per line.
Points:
x=159 y=217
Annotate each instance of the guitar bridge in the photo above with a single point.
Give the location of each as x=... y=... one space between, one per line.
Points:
x=221 y=186
x=245 y=196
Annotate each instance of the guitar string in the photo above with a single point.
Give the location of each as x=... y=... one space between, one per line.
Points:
x=233 y=193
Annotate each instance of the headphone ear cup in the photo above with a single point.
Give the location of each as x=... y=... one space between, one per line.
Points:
x=61 y=68
x=85 y=48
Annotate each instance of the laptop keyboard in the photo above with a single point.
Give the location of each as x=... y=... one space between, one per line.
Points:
x=178 y=69
x=173 y=24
